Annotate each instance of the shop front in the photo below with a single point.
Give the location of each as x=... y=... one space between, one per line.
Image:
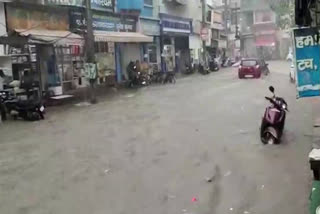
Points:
x=39 y=41
x=266 y=41
x=118 y=43
x=151 y=52
x=175 y=46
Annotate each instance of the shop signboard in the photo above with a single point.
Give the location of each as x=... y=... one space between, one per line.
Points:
x=172 y=24
x=104 y=5
x=20 y=18
x=78 y=3
x=307 y=61
x=77 y=20
x=150 y=27
x=115 y=24
x=74 y=3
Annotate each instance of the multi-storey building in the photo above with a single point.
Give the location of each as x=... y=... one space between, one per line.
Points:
x=258 y=29
x=180 y=25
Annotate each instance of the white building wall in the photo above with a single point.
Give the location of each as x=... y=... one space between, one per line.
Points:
x=191 y=10
x=3 y=28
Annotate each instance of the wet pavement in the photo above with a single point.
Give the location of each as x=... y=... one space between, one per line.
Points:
x=192 y=147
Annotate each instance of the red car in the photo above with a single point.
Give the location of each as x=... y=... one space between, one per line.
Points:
x=252 y=67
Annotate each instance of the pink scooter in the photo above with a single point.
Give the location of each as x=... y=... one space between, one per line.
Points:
x=273 y=121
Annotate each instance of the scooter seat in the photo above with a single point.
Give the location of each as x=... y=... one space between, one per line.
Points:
x=22 y=103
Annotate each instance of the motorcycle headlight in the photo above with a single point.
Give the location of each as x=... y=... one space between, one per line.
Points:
x=284 y=106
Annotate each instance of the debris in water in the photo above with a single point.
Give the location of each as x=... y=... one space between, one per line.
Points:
x=129 y=95
x=228 y=174
x=231 y=209
x=194 y=199
x=262 y=187
x=171 y=196
x=83 y=104
x=107 y=171
x=184 y=210
x=209 y=180
x=246 y=212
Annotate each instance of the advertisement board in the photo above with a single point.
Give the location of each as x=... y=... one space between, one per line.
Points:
x=114 y=24
x=104 y=5
x=21 y=18
x=307 y=61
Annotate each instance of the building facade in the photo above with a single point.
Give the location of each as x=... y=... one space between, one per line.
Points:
x=180 y=26
x=258 y=30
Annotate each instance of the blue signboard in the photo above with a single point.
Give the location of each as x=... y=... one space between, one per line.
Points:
x=174 y=24
x=307 y=52
x=115 y=24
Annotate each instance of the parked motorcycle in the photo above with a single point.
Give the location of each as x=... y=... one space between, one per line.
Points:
x=30 y=110
x=3 y=114
x=137 y=78
x=226 y=62
x=214 y=65
x=189 y=68
x=203 y=69
x=273 y=121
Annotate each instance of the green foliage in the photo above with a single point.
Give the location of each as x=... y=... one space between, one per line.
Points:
x=284 y=10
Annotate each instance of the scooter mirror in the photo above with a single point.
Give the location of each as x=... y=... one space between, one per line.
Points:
x=271 y=88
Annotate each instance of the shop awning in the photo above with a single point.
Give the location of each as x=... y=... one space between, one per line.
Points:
x=51 y=37
x=122 y=37
x=265 y=41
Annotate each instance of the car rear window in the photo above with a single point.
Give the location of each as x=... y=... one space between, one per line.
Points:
x=249 y=63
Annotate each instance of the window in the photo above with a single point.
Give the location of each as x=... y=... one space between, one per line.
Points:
x=217 y=17
x=209 y=16
x=152 y=53
x=249 y=63
x=148 y=2
x=101 y=47
x=263 y=16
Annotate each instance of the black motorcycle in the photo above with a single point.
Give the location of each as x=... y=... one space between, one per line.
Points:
x=213 y=65
x=3 y=113
x=137 y=78
x=30 y=110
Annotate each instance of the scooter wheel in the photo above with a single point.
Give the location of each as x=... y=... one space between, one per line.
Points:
x=269 y=139
x=41 y=115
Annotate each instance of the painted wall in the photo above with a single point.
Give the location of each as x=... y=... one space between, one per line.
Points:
x=130 y=5
x=191 y=10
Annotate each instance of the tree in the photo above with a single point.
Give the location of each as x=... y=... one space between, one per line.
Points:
x=284 y=10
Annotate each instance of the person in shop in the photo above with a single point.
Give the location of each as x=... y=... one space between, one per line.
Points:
x=27 y=82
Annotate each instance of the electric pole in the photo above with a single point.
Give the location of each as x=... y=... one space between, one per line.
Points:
x=226 y=13
x=89 y=38
x=89 y=47
x=202 y=31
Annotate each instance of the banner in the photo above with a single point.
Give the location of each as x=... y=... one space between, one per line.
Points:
x=77 y=3
x=21 y=18
x=307 y=53
x=115 y=24
x=104 y=5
